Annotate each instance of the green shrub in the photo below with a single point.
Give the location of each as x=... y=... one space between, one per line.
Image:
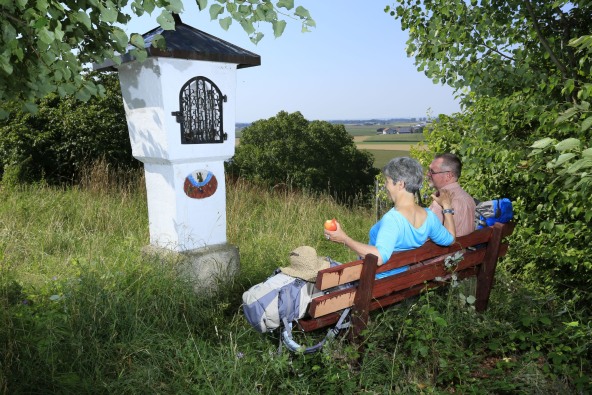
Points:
x=65 y=135
x=551 y=243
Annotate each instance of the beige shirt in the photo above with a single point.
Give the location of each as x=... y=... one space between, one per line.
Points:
x=464 y=209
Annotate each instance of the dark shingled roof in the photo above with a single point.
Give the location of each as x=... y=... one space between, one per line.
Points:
x=186 y=42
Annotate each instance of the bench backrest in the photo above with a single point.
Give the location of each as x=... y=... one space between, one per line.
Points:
x=426 y=263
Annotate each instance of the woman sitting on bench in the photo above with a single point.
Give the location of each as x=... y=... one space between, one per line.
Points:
x=407 y=225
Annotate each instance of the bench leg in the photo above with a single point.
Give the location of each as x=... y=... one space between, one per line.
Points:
x=487 y=269
x=361 y=306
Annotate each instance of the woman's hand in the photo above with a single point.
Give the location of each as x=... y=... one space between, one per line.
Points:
x=338 y=235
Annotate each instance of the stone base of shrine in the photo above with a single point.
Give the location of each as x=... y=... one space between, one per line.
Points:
x=208 y=268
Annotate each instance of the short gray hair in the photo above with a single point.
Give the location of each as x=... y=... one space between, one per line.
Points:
x=407 y=170
x=450 y=162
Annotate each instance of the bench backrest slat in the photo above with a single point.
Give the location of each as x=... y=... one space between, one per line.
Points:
x=343 y=274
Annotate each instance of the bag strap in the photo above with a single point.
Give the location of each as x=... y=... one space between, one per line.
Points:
x=288 y=341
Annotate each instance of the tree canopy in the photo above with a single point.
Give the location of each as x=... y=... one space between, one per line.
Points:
x=523 y=71
x=317 y=156
x=44 y=45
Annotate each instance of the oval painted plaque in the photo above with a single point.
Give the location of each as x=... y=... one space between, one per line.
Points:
x=200 y=184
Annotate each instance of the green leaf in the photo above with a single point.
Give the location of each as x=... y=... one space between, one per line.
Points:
x=302 y=12
x=567 y=144
x=175 y=6
x=59 y=34
x=202 y=4
x=6 y=66
x=586 y=124
x=137 y=41
x=30 y=107
x=139 y=54
x=563 y=158
x=8 y=32
x=542 y=143
x=120 y=37
x=583 y=163
x=82 y=95
x=108 y=12
x=166 y=21
x=471 y=299
x=570 y=112
x=247 y=26
x=83 y=17
x=278 y=28
x=256 y=38
x=41 y=5
x=159 y=42
x=215 y=10
x=440 y=321
x=46 y=36
x=149 y=6
x=225 y=22
x=587 y=153
x=287 y=4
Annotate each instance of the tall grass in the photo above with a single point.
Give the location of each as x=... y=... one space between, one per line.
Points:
x=83 y=311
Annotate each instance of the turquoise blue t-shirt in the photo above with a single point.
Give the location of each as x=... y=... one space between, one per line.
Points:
x=394 y=233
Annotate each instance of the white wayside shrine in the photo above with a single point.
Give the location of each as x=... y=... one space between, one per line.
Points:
x=180 y=110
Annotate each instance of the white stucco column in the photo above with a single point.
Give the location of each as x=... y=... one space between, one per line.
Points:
x=185 y=182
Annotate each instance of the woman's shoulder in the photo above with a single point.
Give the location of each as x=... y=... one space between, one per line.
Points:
x=392 y=216
x=431 y=216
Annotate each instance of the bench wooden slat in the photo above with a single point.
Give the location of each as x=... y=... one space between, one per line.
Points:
x=311 y=324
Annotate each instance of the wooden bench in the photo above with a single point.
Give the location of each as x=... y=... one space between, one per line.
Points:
x=481 y=250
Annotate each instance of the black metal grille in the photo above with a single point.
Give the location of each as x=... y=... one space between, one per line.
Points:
x=200 y=115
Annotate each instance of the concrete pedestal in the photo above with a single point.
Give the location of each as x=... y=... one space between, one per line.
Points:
x=207 y=267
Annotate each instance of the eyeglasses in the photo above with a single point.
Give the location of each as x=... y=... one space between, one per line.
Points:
x=431 y=172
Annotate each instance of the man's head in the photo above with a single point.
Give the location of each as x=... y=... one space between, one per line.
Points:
x=444 y=169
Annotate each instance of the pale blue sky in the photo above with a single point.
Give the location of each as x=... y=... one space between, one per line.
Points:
x=353 y=65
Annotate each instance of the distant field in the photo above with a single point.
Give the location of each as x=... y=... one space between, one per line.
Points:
x=395 y=138
x=382 y=157
x=367 y=130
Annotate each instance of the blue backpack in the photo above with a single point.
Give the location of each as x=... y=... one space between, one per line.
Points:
x=491 y=211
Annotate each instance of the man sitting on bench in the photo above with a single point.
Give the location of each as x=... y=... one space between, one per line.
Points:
x=407 y=225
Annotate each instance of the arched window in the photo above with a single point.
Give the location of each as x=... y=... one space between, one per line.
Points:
x=200 y=115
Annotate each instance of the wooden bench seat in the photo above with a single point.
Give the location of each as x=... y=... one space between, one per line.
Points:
x=481 y=250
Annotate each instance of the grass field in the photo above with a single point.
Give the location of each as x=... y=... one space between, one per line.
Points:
x=382 y=157
x=83 y=311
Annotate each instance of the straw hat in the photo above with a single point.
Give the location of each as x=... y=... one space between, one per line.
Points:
x=304 y=264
